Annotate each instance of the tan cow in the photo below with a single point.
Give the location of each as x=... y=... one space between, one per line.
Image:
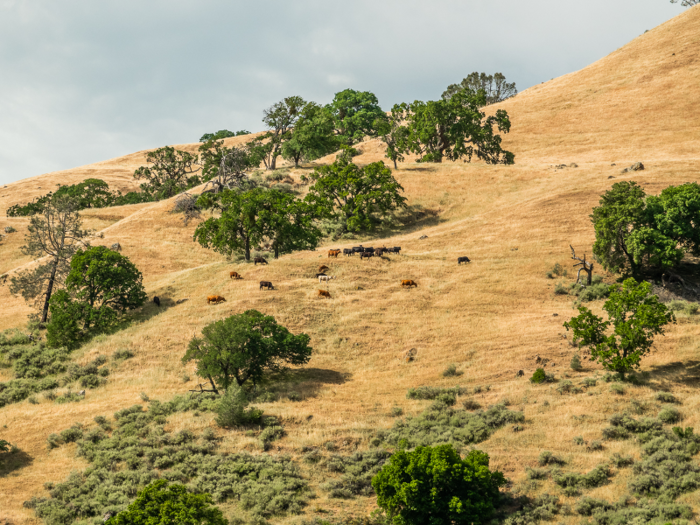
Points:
x=323 y=293
x=216 y=299
x=235 y=275
x=408 y=282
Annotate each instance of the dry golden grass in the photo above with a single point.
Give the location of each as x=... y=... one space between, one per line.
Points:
x=490 y=317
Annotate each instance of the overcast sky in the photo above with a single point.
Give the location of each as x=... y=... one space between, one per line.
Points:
x=84 y=81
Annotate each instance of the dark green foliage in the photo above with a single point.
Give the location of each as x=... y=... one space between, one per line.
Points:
x=170 y=172
x=232 y=410
x=313 y=135
x=37 y=361
x=454 y=129
x=222 y=134
x=576 y=362
x=122 y=354
x=594 y=292
x=358 y=196
x=647 y=512
x=396 y=411
x=495 y=87
x=270 y=434
x=355 y=114
x=160 y=504
x=621 y=461
x=535 y=473
x=540 y=376
x=636 y=232
x=451 y=371
x=4 y=446
x=72 y=434
x=471 y=404
x=244 y=346
x=635 y=315
x=69 y=397
x=435 y=485
x=140 y=451
x=595 y=478
x=358 y=471
x=441 y=423
x=394 y=134
x=432 y=392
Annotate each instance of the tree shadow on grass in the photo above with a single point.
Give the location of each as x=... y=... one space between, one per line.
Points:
x=666 y=375
x=150 y=309
x=408 y=220
x=11 y=461
x=302 y=383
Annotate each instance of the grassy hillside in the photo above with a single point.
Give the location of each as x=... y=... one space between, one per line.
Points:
x=491 y=318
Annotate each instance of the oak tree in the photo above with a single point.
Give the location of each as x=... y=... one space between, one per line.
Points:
x=280 y=118
x=355 y=113
x=495 y=87
x=170 y=172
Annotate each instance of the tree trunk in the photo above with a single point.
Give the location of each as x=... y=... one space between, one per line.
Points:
x=395 y=166
x=247 y=249
x=213 y=386
x=277 y=251
x=49 y=291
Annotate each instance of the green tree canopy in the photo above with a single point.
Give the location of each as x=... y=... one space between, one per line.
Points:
x=454 y=129
x=355 y=114
x=495 y=87
x=288 y=223
x=636 y=233
x=243 y=347
x=353 y=193
x=222 y=134
x=394 y=134
x=225 y=168
x=313 y=135
x=635 y=316
x=435 y=486
x=171 y=172
x=160 y=504
x=280 y=118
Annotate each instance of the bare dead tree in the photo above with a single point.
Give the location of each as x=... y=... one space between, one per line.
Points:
x=57 y=235
x=586 y=266
x=232 y=170
x=187 y=205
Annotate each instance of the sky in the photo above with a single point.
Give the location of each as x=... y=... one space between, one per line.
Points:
x=83 y=81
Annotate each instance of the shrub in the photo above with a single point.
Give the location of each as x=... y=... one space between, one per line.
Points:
x=669 y=415
x=461 y=490
x=90 y=381
x=144 y=396
x=565 y=387
x=575 y=363
x=534 y=473
x=560 y=289
x=72 y=434
x=666 y=397
x=33 y=400
x=617 y=388
x=123 y=354
x=595 y=478
x=54 y=441
x=270 y=434
x=432 y=392
x=294 y=396
x=547 y=458
x=68 y=397
x=451 y=371
x=396 y=411
x=358 y=471
x=621 y=461
x=589 y=382
x=594 y=292
x=578 y=440
x=231 y=410
x=471 y=404
x=540 y=376
x=595 y=445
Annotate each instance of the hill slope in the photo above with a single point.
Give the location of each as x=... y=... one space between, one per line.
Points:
x=490 y=318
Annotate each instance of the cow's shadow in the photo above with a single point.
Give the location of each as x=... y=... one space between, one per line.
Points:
x=663 y=377
x=11 y=461
x=300 y=383
x=151 y=309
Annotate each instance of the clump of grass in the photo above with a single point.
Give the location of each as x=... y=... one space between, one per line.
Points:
x=547 y=458
x=617 y=388
x=144 y=396
x=666 y=397
x=589 y=382
x=68 y=397
x=396 y=411
x=121 y=355
x=536 y=473
x=578 y=440
x=451 y=371
x=433 y=392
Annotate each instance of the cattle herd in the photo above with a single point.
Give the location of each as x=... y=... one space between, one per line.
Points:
x=365 y=253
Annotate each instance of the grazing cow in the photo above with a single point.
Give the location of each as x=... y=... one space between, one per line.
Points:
x=260 y=260
x=117 y=247
x=324 y=278
x=323 y=268
x=235 y=275
x=366 y=255
x=348 y=252
x=156 y=300
x=408 y=282
x=370 y=249
x=323 y=293
x=358 y=249
x=461 y=260
x=379 y=252
x=216 y=299
x=266 y=284
x=397 y=249
x=333 y=253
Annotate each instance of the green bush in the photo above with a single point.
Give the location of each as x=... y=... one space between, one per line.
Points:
x=595 y=478
x=432 y=392
x=270 y=434
x=621 y=461
x=358 y=471
x=589 y=382
x=72 y=434
x=578 y=440
x=451 y=371
x=452 y=490
x=396 y=411
x=594 y=292
x=90 y=381
x=232 y=409
x=534 y=473
x=547 y=458
x=542 y=508
x=471 y=404
x=575 y=363
x=122 y=354
x=68 y=397
x=669 y=415
x=540 y=376
x=617 y=388
x=666 y=397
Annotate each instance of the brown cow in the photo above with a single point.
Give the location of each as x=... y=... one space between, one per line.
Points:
x=408 y=282
x=333 y=253
x=266 y=284
x=323 y=293
x=216 y=299
x=323 y=268
x=235 y=275
x=260 y=260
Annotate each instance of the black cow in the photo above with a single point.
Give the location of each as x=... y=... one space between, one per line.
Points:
x=366 y=255
x=266 y=284
x=397 y=249
x=319 y=275
x=156 y=300
x=461 y=260
x=370 y=250
x=347 y=252
x=260 y=260
x=358 y=249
